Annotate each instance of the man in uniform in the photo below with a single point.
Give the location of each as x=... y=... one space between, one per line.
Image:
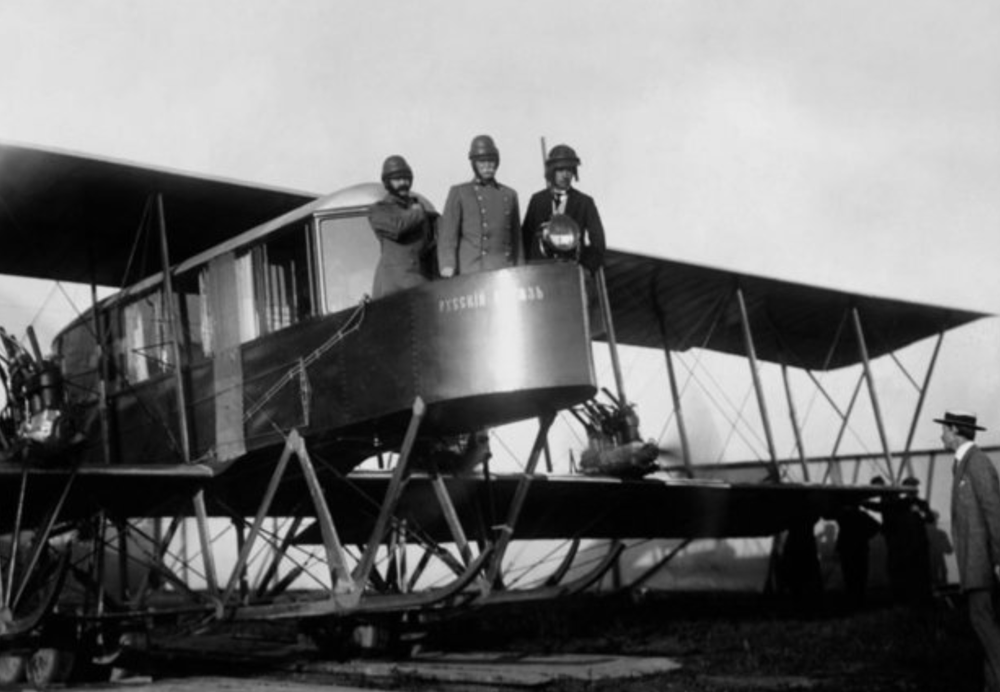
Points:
x=975 y=529
x=404 y=227
x=560 y=197
x=478 y=230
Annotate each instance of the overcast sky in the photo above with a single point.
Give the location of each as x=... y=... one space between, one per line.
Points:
x=852 y=144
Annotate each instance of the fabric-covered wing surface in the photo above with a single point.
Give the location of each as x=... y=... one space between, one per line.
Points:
x=657 y=302
x=72 y=217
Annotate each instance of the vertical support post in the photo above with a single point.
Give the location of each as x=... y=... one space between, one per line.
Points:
x=121 y=537
x=102 y=377
x=520 y=494
x=239 y=530
x=15 y=538
x=761 y=402
x=863 y=350
x=931 y=467
x=185 y=553
x=609 y=328
x=205 y=540
x=906 y=465
x=675 y=395
x=451 y=518
x=795 y=423
x=175 y=332
x=101 y=532
x=392 y=494
x=336 y=557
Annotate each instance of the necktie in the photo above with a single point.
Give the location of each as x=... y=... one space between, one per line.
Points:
x=559 y=203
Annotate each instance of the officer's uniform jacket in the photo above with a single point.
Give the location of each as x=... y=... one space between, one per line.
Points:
x=478 y=230
x=975 y=518
x=404 y=234
x=580 y=208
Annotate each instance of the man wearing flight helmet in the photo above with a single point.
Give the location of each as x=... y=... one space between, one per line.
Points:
x=404 y=225
x=557 y=201
x=478 y=230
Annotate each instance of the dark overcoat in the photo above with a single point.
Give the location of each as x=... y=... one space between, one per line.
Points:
x=404 y=232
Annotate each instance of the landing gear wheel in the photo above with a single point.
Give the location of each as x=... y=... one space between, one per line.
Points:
x=48 y=666
x=13 y=667
x=37 y=591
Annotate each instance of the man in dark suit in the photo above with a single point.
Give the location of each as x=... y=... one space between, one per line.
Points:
x=975 y=529
x=561 y=198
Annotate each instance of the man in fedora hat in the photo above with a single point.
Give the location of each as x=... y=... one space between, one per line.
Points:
x=975 y=530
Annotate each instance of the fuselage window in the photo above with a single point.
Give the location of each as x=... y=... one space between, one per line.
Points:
x=255 y=291
x=146 y=345
x=348 y=253
x=245 y=308
x=187 y=287
x=282 y=288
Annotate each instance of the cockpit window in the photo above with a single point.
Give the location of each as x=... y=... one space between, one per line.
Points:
x=348 y=253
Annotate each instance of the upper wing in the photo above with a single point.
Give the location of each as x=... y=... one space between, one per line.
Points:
x=72 y=217
x=657 y=303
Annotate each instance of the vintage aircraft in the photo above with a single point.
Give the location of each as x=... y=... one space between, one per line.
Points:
x=241 y=375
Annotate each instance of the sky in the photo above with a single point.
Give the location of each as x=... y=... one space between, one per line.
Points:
x=851 y=144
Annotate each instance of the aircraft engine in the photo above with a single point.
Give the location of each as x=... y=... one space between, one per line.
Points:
x=615 y=448
x=46 y=425
x=35 y=407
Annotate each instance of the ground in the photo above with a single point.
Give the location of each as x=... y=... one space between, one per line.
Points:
x=751 y=642
x=722 y=641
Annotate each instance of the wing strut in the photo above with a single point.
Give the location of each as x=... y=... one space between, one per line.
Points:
x=793 y=415
x=863 y=350
x=609 y=328
x=916 y=414
x=761 y=402
x=175 y=331
x=675 y=394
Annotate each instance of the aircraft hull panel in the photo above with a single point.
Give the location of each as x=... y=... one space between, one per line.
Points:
x=479 y=350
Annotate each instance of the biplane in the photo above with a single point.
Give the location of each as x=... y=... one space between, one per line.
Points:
x=240 y=377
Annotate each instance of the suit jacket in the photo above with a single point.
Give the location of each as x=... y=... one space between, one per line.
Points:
x=404 y=233
x=580 y=208
x=975 y=519
x=478 y=229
